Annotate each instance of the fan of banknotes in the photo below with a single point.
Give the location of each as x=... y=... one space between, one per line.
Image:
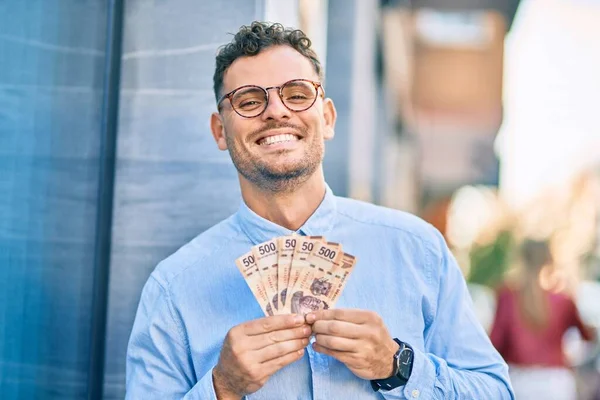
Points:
x=296 y=274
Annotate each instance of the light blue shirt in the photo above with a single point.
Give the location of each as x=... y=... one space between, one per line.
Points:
x=404 y=272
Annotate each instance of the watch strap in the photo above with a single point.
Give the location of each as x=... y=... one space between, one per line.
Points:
x=396 y=379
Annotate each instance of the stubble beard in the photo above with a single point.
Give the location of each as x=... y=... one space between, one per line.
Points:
x=277 y=178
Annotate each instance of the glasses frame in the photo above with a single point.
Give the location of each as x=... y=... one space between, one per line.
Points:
x=317 y=85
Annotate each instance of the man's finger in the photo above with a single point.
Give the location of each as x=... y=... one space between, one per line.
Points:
x=280 y=349
x=339 y=328
x=273 y=323
x=342 y=356
x=347 y=315
x=337 y=343
x=284 y=335
x=272 y=366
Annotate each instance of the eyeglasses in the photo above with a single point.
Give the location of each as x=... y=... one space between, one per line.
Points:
x=250 y=101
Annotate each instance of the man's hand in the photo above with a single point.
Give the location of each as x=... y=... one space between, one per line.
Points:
x=255 y=350
x=356 y=338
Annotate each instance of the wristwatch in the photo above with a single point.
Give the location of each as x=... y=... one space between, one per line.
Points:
x=403 y=362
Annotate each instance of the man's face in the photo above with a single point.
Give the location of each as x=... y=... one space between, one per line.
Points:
x=279 y=149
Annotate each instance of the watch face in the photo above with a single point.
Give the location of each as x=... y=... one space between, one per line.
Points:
x=405 y=363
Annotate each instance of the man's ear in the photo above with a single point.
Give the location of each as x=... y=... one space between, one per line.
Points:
x=330 y=116
x=218 y=130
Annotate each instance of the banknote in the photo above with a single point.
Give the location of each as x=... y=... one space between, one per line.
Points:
x=285 y=248
x=304 y=246
x=340 y=277
x=249 y=269
x=265 y=255
x=313 y=288
x=324 y=272
x=324 y=256
x=296 y=274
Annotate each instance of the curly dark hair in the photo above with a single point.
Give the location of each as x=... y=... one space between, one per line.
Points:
x=251 y=40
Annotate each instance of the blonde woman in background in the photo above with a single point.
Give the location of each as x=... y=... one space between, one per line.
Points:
x=528 y=330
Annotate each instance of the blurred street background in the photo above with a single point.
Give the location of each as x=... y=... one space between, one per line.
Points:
x=482 y=117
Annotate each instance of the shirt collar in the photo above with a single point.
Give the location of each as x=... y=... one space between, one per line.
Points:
x=259 y=229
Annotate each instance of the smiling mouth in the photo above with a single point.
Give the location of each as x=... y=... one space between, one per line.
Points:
x=275 y=139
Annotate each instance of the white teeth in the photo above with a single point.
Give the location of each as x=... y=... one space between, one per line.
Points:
x=278 y=139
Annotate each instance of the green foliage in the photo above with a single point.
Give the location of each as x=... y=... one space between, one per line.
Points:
x=490 y=262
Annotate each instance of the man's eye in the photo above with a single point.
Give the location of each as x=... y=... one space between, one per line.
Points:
x=249 y=103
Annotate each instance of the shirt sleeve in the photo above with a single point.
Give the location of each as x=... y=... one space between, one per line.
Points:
x=458 y=361
x=159 y=364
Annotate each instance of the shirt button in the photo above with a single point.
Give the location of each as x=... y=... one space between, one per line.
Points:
x=415 y=393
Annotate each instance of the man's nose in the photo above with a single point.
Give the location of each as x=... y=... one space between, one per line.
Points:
x=275 y=108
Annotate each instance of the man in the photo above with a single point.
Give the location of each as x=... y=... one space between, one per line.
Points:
x=404 y=326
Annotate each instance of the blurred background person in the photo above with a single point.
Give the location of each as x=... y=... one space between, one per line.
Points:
x=530 y=322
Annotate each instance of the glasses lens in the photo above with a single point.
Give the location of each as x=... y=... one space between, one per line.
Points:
x=298 y=95
x=249 y=101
